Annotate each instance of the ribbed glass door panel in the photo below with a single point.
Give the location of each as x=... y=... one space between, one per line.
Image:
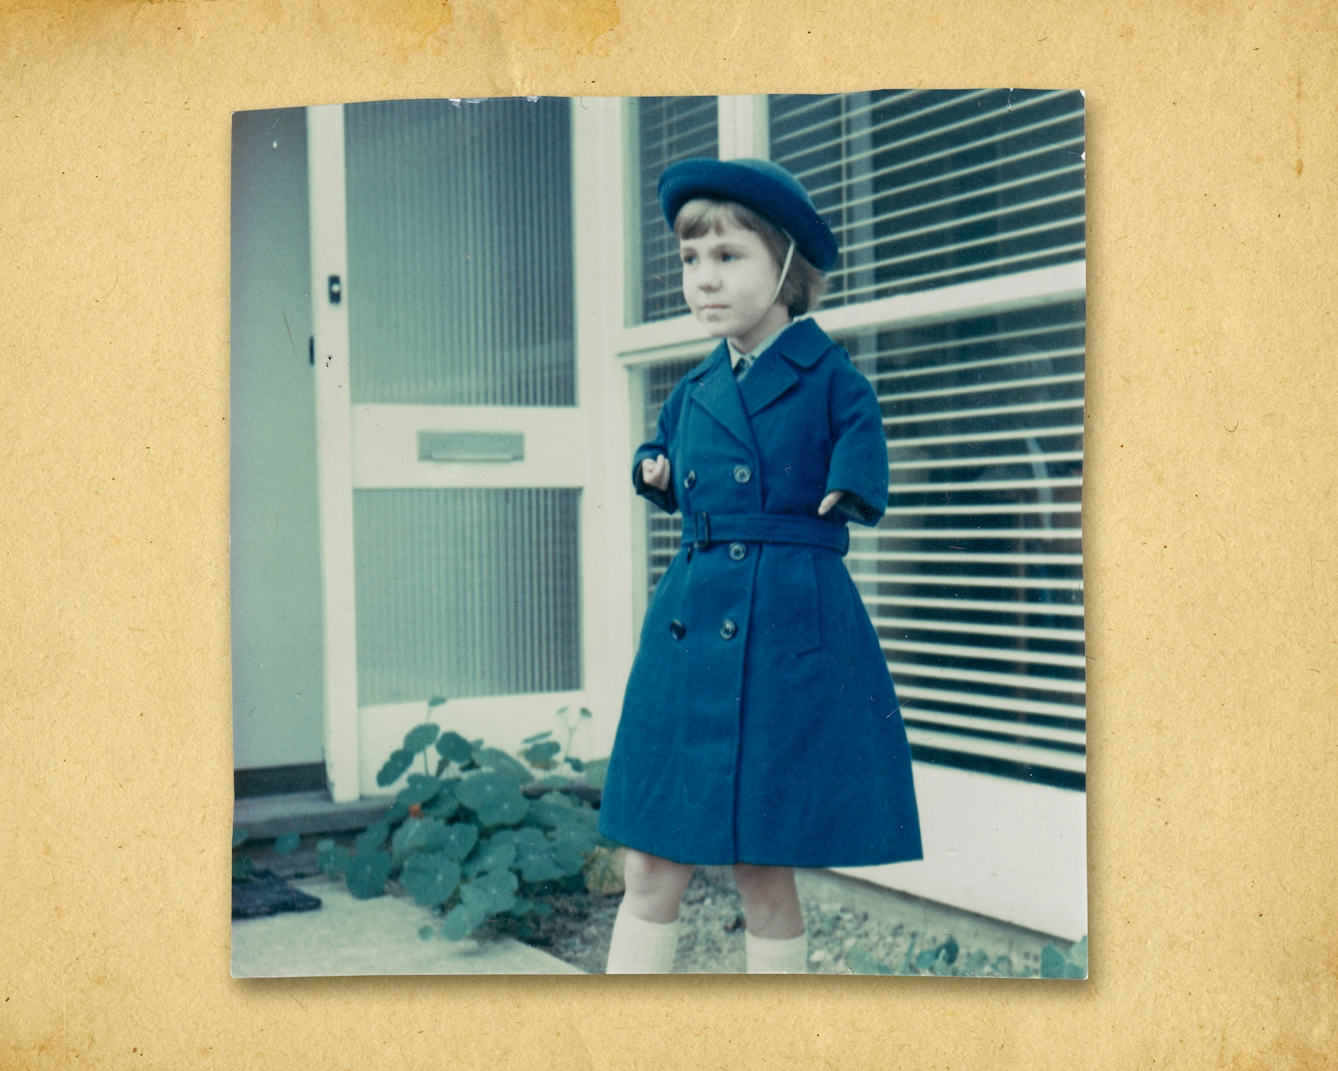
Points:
x=466 y=592
x=973 y=578
x=460 y=252
x=929 y=188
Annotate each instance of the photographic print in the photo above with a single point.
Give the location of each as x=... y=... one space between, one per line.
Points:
x=656 y=538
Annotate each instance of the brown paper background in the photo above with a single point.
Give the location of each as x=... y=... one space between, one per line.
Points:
x=1209 y=518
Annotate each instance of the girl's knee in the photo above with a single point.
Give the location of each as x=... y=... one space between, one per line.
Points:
x=649 y=874
x=764 y=883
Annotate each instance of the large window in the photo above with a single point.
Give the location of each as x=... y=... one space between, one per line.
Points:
x=929 y=188
x=974 y=577
x=960 y=295
x=668 y=129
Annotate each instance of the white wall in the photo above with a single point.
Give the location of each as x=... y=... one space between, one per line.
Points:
x=1006 y=849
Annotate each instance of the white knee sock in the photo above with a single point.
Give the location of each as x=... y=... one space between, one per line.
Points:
x=641 y=947
x=768 y=955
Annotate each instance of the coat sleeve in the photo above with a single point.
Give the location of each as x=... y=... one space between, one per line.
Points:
x=663 y=443
x=859 y=446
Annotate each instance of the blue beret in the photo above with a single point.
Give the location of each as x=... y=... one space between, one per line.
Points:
x=767 y=188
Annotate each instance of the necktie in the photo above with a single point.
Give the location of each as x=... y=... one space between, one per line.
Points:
x=745 y=363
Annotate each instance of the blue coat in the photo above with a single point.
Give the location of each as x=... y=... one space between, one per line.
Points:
x=760 y=724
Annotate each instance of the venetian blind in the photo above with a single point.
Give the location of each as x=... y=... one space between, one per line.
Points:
x=926 y=188
x=664 y=533
x=973 y=578
x=668 y=129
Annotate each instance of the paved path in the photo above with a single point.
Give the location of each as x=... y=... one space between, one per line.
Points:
x=345 y=936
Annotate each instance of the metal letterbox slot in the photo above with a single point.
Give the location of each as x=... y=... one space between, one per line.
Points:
x=471 y=446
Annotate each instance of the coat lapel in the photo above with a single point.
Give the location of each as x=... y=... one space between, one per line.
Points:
x=718 y=393
x=767 y=380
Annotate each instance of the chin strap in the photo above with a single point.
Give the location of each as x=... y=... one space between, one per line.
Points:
x=785 y=270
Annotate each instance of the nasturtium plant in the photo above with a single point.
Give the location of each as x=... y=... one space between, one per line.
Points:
x=367 y=873
x=494 y=797
x=453 y=747
x=476 y=838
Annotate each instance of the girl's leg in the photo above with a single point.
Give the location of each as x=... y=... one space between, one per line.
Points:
x=645 y=933
x=654 y=886
x=776 y=941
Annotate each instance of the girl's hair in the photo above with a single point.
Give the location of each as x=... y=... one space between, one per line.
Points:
x=803 y=285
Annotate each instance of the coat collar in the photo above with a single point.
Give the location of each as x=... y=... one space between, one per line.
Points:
x=802 y=344
x=718 y=393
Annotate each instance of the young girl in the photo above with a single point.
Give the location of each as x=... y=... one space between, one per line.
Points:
x=760 y=727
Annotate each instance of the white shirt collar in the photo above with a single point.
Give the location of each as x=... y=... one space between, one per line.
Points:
x=735 y=353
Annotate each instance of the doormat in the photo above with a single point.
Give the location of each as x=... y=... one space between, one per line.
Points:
x=265 y=894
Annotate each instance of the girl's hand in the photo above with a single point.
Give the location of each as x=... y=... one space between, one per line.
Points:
x=828 y=502
x=656 y=473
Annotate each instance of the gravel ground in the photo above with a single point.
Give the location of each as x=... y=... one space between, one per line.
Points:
x=853 y=927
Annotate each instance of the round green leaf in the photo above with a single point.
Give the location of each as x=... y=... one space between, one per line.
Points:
x=498 y=761
x=460 y=839
x=542 y=753
x=443 y=804
x=534 y=856
x=425 y=933
x=394 y=767
x=490 y=894
x=1078 y=954
x=287 y=844
x=420 y=789
x=594 y=772
x=1053 y=962
x=454 y=748
x=572 y=842
x=496 y=853
x=435 y=701
x=367 y=874
x=419 y=835
x=372 y=837
x=575 y=764
x=421 y=737
x=462 y=920
x=494 y=797
x=431 y=878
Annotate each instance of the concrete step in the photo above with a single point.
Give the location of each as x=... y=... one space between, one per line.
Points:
x=345 y=936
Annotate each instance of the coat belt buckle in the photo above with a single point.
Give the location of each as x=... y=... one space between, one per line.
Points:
x=701 y=530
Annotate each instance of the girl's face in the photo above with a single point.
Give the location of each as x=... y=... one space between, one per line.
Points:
x=728 y=280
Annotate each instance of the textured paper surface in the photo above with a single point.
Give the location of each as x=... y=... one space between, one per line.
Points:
x=1209 y=516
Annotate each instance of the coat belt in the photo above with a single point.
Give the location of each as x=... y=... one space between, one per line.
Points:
x=703 y=529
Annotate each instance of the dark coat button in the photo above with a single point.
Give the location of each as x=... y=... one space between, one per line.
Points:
x=728 y=629
x=689 y=479
x=742 y=474
x=737 y=552
x=676 y=629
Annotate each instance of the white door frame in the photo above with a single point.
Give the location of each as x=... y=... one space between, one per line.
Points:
x=334 y=444
x=583 y=447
